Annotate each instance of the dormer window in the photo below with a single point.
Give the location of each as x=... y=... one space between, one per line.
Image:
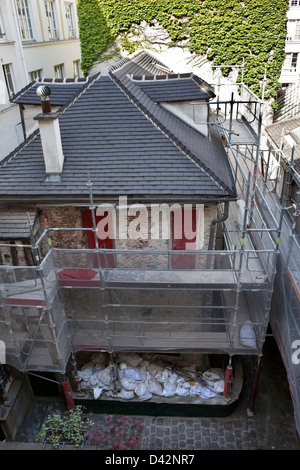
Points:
x=194 y=113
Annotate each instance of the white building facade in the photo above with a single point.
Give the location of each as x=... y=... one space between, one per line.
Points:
x=38 y=39
x=291 y=68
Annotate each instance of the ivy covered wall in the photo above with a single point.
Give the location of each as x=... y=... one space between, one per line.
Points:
x=226 y=31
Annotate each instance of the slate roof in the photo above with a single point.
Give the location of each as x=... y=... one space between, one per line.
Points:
x=62 y=91
x=127 y=143
x=171 y=88
x=14 y=224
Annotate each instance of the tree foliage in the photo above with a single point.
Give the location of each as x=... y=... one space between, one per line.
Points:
x=227 y=32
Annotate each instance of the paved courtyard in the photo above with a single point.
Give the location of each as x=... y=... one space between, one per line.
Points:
x=271 y=427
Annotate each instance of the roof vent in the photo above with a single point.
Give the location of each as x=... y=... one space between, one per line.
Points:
x=44 y=92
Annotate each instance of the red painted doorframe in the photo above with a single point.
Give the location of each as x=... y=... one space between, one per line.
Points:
x=107 y=260
x=184 y=222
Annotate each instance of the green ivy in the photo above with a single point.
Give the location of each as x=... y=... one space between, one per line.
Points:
x=227 y=32
x=94 y=33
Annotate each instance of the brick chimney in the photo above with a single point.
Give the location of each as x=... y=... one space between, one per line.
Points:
x=50 y=133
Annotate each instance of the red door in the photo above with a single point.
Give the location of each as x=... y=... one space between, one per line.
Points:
x=184 y=238
x=106 y=260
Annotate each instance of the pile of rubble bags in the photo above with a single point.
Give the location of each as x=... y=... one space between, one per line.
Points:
x=133 y=377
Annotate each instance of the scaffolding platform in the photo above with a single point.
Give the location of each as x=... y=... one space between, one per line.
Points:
x=31 y=292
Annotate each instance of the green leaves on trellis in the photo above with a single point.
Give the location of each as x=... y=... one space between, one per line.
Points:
x=225 y=31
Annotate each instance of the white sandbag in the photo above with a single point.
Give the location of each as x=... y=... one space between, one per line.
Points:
x=84 y=385
x=196 y=390
x=207 y=393
x=85 y=374
x=126 y=394
x=131 y=359
x=169 y=390
x=93 y=381
x=154 y=370
x=128 y=384
x=105 y=376
x=247 y=335
x=142 y=392
x=99 y=358
x=154 y=387
x=166 y=376
x=129 y=378
x=210 y=377
x=144 y=364
x=183 y=388
x=131 y=373
x=88 y=366
x=140 y=389
x=97 y=392
x=219 y=386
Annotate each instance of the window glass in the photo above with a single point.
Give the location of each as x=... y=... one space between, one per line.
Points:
x=59 y=71
x=24 y=19
x=7 y=70
x=35 y=74
x=70 y=21
x=51 y=18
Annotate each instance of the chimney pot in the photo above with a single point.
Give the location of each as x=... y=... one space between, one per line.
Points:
x=50 y=134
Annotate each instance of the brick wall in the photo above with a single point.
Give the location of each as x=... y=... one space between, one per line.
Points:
x=71 y=217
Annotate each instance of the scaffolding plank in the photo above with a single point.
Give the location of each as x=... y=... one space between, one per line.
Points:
x=173 y=278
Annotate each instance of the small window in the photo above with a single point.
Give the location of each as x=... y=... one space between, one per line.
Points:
x=290 y=63
x=59 y=71
x=35 y=74
x=24 y=19
x=70 y=20
x=294 y=60
x=76 y=68
x=297 y=30
x=7 y=70
x=2 y=33
x=294 y=3
x=51 y=18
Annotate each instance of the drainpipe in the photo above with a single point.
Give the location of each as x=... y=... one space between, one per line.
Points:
x=215 y=222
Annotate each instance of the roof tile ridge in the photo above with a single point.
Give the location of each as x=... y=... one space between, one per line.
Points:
x=20 y=92
x=82 y=90
x=162 y=78
x=169 y=133
x=206 y=86
x=118 y=65
x=20 y=147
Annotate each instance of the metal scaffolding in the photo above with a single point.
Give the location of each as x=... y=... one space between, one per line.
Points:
x=141 y=303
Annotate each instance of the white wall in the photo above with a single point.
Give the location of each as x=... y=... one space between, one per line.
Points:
x=292 y=45
x=10 y=119
x=47 y=55
x=30 y=55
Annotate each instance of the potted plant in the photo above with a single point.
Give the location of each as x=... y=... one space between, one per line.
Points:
x=65 y=428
